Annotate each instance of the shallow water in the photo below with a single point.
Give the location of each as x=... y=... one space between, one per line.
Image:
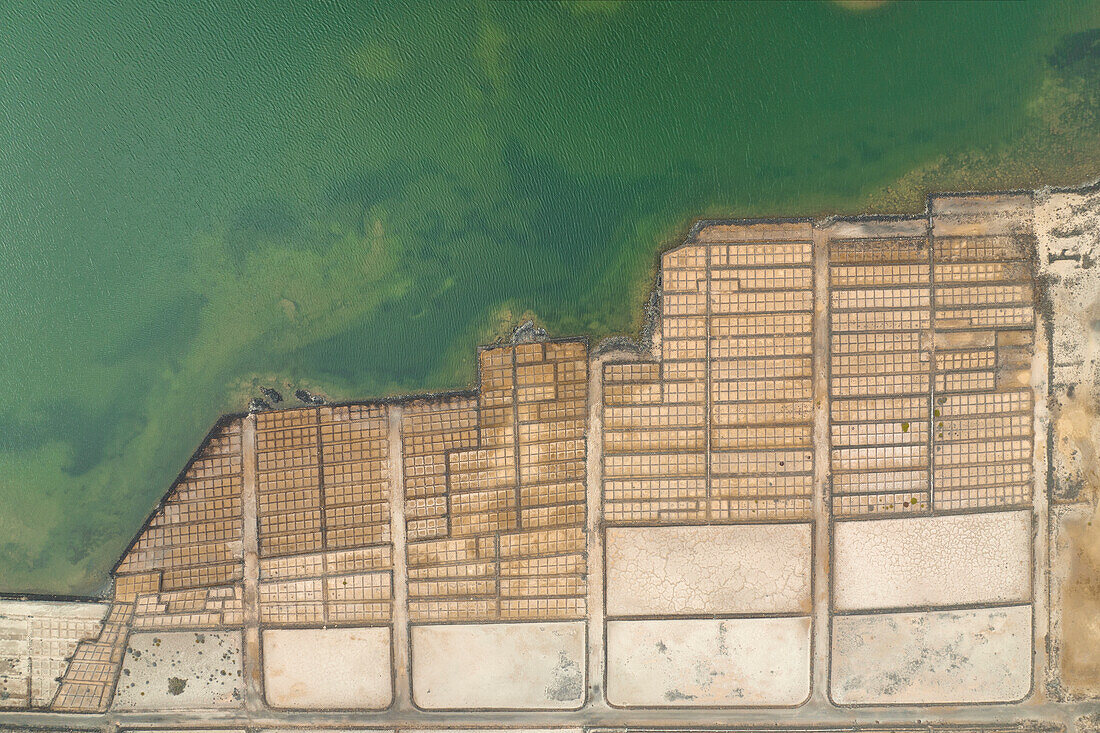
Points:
x=197 y=200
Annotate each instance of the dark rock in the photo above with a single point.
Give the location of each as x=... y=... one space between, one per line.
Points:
x=528 y=333
x=256 y=405
x=309 y=399
x=271 y=394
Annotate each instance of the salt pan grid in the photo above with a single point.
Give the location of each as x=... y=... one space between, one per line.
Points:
x=868 y=382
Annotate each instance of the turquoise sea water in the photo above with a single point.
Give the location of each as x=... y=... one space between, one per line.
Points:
x=196 y=198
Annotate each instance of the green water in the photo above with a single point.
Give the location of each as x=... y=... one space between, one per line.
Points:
x=197 y=197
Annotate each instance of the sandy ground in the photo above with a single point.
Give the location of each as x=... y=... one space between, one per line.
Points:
x=1068 y=230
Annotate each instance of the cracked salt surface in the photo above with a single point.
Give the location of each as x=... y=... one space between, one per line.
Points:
x=930 y=561
x=691 y=570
